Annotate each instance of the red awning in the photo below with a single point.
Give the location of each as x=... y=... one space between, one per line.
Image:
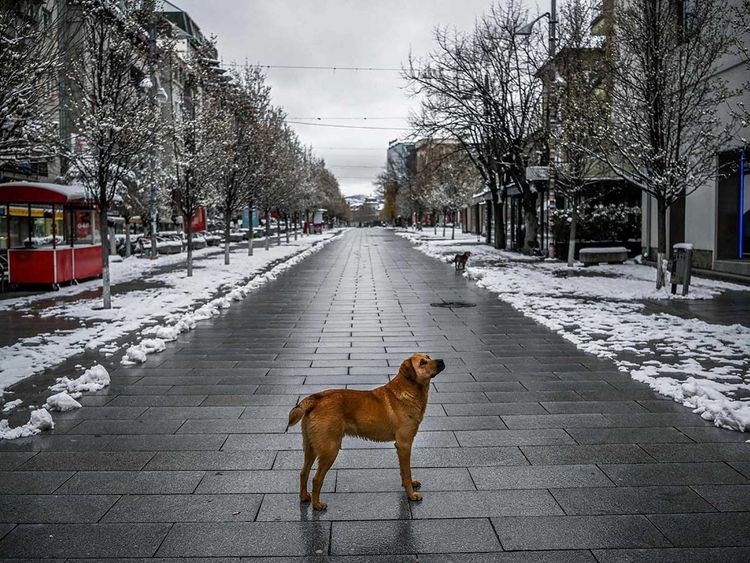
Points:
x=39 y=192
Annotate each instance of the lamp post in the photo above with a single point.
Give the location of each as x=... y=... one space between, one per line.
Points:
x=550 y=117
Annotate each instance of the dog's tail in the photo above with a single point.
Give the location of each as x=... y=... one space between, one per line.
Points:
x=300 y=410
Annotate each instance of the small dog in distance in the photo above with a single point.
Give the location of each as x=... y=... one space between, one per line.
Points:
x=460 y=260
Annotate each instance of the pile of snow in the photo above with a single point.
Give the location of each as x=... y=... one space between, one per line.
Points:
x=11 y=405
x=703 y=366
x=137 y=353
x=40 y=420
x=62 y=402
x=93 y=379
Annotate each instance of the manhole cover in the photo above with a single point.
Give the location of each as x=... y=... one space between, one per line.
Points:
x=453 y=304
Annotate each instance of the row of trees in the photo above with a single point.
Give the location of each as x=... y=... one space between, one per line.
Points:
x=222 y=145
x=639 y=101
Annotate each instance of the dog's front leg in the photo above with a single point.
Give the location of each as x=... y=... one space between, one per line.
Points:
x=403 y=448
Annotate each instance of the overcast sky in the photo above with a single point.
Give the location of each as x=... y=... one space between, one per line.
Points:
x=344 y=33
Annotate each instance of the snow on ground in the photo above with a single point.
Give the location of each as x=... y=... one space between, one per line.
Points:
x=167 y=299
x=601 y=310
x=39 y=421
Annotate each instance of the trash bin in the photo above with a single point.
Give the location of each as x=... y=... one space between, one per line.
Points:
x=681 y=266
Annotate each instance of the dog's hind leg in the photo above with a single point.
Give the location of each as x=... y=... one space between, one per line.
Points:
x=304 y=475
x=326 y=457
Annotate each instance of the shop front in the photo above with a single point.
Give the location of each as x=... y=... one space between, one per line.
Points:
x=49 y=234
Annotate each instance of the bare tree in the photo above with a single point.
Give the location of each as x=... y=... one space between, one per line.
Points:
x=197 y=147
x=664 y=129
x=111 y=115
x=480 y=89
x=576 y=86
x=29 y=63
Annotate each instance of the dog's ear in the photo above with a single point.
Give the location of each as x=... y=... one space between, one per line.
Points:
x=407 y=370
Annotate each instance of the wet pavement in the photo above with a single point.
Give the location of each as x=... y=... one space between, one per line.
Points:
x=530 y=451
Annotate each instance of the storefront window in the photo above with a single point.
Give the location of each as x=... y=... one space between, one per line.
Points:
x=745 y=199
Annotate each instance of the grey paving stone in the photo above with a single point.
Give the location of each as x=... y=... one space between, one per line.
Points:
x=95 y=541
x=432 y=479
x=570 y=407
x=276 y=481
x=231 y=426
x=699 y=452
x=672 y=474
x=493 y=409
x=705 y=530
x=260 y=539
x=111 y=413
x=428 y=457
x=131 y=483
x=606 y=453
x=212 y=390
x=675 y=555
x=341 y=506
x=49 y=509
x=184 y=413
x=626 y=435
x=56 y=442
x=157 y=400
x=630 y=500
x=185 y=508
x=543 y=436
x=461 y=423
x=124 y=427
x=568 y=556
x=11 y=460
x=88 y=461
x=538 y=477
x=31 y=482
x=420 y=536
x=726 y=498
x=633 y=420
x=712 y=434
x=211 y=461
x=481 y=504
x=742 y=466
x=218 y=399
x=577 y=532
x=168 y=442
x=556 y=421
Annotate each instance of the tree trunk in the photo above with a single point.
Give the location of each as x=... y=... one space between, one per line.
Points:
x=286 y=226
x=190 y=246
x=444 y=220
x=661 y=251
x=227 y=219
x=499 y=224
x=294 y=218
x=572 y=236
x=278 y=230
x=268 y=229
x=127 y=237
x=531 y=224
x=434 y=221
x=251 y=234
x=104 y=235
x=453 y=229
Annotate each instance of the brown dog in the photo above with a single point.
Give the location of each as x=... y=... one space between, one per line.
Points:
x=390 y=413
x=460 y=260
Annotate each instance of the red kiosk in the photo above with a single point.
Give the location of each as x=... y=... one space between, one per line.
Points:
x=48 y=233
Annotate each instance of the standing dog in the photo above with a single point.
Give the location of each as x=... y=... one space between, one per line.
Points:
x=390 y=413
x=460 y=260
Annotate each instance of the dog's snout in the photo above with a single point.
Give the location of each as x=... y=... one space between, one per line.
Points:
x=440 y=365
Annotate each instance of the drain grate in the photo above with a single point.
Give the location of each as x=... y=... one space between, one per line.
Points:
x=453 y=304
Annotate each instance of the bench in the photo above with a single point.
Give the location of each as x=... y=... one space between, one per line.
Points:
x=611 y=255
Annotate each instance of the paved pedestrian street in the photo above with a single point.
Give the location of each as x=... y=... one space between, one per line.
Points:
x=530 y=451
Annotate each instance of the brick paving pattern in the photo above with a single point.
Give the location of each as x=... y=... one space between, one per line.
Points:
x=530 y=451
